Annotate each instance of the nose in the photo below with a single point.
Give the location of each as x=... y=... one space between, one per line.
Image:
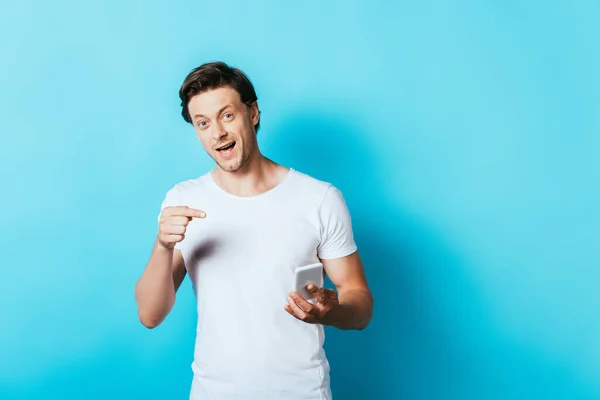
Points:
x=218 y=131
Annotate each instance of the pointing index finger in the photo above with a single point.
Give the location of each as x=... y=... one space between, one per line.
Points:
x=186 y=211
x=192 y=212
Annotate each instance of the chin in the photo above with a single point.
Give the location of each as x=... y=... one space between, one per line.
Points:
x=231 y=166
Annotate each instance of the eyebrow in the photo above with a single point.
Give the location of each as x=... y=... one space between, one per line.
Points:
x=220 y=111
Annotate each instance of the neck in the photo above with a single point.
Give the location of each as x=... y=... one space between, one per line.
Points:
x=258 y=176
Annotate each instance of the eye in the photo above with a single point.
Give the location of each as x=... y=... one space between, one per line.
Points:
x=228 y=116
x=202 y=124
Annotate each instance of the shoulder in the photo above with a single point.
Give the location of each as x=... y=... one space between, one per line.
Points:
x=318 y=189
x=309 y=184
x=316 y=193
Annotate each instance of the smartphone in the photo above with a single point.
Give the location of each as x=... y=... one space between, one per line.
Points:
x=306 y=275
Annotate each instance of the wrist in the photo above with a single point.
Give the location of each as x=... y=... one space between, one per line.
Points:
x=162 y=247
x=334 y=316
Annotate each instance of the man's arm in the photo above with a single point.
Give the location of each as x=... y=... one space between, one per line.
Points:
x=356 y=302
x=155 y=290
x=351 y=307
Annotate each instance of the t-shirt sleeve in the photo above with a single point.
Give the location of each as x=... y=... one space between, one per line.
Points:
x=171 y=199
x=337 y=237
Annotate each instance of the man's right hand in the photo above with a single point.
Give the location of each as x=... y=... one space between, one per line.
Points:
x=173 y=224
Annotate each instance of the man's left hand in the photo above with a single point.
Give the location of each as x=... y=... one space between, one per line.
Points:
x=327 y=300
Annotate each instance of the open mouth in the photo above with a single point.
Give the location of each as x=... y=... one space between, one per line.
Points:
x=226 y=147
x=226 y=150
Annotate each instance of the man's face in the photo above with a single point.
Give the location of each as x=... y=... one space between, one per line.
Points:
x=225 y=126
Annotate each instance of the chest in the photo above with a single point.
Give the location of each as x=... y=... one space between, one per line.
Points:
x=251 y=244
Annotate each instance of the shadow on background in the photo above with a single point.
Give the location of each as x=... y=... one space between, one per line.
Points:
x=402 y=349
x=431 y=336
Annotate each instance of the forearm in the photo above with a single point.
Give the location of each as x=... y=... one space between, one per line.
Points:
x=354 y=310
x=155 y=290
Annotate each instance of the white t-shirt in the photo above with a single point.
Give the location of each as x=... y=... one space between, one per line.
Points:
x=241 y=260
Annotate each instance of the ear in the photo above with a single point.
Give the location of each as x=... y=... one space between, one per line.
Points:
x=254 y=113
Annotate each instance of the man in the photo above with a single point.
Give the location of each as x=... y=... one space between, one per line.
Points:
x=241 y=231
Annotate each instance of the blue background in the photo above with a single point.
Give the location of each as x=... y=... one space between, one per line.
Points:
x=465 y=136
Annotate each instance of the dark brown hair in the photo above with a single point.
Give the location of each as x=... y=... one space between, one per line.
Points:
x=214 y=75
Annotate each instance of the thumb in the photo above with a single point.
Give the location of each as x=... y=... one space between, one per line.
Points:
x=319 y=293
